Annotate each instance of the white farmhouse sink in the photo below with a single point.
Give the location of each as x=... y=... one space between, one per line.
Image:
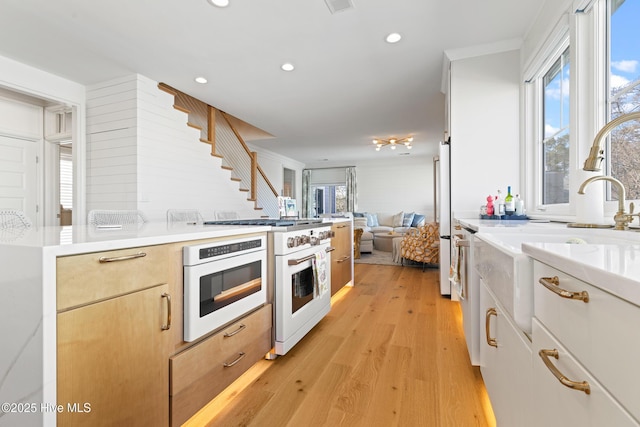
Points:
x=508 y=272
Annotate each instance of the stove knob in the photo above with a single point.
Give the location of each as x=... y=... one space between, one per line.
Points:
x=291 y=243
x=332 y=233
x=305 y=239
x=315 y=241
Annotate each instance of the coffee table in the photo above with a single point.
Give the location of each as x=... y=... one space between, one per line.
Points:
x=384 y=241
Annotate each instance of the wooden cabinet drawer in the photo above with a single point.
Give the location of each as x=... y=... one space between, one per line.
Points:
x=601 y=333
x=82 y=279
x=201 y=372
x=558 y=405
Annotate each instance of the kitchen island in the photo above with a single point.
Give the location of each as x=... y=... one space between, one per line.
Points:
x=29 y=310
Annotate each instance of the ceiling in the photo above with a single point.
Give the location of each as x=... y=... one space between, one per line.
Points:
x=348 y=87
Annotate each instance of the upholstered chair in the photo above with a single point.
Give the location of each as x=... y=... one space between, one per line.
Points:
x=422 y=244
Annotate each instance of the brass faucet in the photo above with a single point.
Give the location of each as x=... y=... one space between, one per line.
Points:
x=596 y=155
x=621 y=218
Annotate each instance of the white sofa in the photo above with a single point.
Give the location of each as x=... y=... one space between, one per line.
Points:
x=383 y=222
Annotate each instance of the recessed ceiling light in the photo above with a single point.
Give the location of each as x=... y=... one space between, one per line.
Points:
x=219 y=3
x=287 y=66
x=393 y=38
x=200 y=80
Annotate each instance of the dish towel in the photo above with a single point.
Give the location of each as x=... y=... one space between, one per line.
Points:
x=454 y=269
x=320 y=272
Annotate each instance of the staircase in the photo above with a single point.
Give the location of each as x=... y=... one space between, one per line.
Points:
x=226 y=143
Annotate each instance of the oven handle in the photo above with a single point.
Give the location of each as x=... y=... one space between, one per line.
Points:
x=307 y=258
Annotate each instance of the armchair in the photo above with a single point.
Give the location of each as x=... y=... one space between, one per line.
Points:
x=422 y=244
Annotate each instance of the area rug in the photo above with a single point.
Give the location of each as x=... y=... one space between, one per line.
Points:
x=376 y=257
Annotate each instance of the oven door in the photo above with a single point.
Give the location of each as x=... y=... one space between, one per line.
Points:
x=218 y=292
x=300 y=301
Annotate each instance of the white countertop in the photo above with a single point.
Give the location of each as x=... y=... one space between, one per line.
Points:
x=78 y=239
x=611 y=262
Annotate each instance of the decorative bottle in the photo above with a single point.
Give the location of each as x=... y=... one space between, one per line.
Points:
x=509 y=203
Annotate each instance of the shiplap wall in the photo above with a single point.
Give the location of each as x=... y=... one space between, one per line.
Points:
x=142 y=155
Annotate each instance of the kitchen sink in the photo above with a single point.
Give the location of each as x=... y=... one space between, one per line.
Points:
x=500 y=263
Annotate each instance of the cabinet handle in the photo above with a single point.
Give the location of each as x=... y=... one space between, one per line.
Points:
x=553 y=284
x=575 y=385
x=104 y=259
x=341 y=226
x=238 y=359
x=491 y=341
x=167 y=326
x=237 y=331
x=343 y=259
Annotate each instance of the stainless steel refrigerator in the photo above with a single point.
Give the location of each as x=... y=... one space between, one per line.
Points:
x=442 y=210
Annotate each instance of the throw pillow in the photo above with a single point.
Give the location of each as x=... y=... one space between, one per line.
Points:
x=359 y=215
x=359 y=222
x=397 y=219
x=408 y=219
x=372 y=220
x=418 y=220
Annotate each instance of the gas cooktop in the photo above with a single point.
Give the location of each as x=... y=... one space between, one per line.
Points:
x=277 y=224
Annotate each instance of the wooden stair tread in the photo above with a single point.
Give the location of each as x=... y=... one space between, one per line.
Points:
x=235 y=179
x=183 y=109
x=192 y=125
x=167 y=89
x=229 y=168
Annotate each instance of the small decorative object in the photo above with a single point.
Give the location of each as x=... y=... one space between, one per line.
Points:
x=489 y=205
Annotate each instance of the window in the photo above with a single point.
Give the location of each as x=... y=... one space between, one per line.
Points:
x=624 y=95
x=555 y=132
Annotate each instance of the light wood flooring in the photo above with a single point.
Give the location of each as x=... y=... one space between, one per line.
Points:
x=390 y=353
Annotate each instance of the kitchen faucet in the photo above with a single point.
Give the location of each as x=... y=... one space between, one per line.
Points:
x=596 y=155
x=592 y=163
x=621 y=218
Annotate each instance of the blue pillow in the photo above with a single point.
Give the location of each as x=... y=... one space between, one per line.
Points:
x=407 y=220
x=359 y=215
x=418 y=220
x=372 y=220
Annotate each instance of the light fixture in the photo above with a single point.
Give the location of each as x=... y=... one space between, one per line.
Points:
x=219 y=3
x=393 y=142
x=393 y=38
x=200 y=80
x=287 y=66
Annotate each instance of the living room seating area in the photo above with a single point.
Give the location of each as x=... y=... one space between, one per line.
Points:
x=384 y=224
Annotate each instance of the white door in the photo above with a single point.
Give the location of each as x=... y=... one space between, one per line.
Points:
x=18 y=175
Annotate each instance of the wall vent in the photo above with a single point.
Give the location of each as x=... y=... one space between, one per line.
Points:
x=336 y=6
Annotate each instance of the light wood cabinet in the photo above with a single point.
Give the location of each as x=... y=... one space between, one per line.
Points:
x=202 y=371
x=113 y=344
x=342 y=256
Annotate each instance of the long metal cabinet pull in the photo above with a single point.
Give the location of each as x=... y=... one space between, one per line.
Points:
x=553 y=284
x=307 y=258
x=238 y=359
x=491 y=341
x=104 y=259
x=167 y=326
x=237 y=331
x=575 y=385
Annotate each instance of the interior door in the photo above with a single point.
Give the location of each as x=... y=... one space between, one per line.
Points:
x=18 y=175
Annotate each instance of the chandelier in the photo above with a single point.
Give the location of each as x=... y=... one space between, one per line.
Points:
x=393 y=142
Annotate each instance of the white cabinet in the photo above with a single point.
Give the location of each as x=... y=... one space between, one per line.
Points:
x=505 y=362
x=595 y=336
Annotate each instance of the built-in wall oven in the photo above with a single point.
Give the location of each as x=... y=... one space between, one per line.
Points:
x=222 y=281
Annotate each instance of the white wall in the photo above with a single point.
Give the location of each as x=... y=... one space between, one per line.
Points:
x=484 y=129
x=273 y=165
x=142 y=155
x=393 y=185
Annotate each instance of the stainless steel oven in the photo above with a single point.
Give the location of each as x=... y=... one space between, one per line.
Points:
x=222 y=281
